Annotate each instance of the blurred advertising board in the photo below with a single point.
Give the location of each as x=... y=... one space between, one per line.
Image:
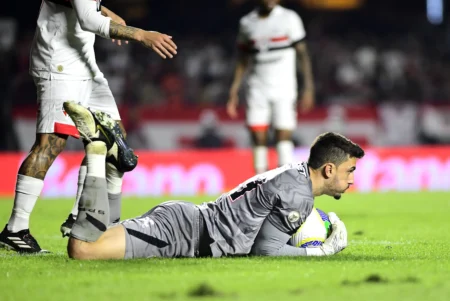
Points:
x=184 y=173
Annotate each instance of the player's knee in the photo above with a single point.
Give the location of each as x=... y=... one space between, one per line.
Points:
x=77 y=249
x=259 y=138
x=259 y=249
x=283 y=135
x=43 y=153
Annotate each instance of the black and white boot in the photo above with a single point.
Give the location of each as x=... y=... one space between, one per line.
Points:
x=21 y=242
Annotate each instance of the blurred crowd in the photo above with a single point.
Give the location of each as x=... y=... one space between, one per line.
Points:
x=354 y=60
x=358 y=68
x=358 y=57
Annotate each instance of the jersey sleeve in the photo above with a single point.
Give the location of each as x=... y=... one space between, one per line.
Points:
x=272 y=242
x=89 y=18
x=243 y=40
x=297 y=30
x=295 y=201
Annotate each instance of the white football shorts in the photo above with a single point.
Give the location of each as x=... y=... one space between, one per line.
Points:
x=52 y=93
x=276 y=107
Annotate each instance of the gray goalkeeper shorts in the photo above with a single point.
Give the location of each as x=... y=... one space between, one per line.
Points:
x=171 y=229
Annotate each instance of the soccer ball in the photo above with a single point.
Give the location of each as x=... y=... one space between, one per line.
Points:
x=313 y=232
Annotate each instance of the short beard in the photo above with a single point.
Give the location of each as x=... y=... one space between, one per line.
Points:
x=329 y=188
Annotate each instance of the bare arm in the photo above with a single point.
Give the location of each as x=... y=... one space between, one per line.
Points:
x=239 y=71
x=123 y=32
x=105 y=11
x=162 y=44
x=90 y=20
x=304 y=62
x=114 y=17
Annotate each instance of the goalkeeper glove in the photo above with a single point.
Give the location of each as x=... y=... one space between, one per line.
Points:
x=336 y=242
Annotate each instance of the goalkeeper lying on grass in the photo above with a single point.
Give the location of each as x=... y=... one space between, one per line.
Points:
x=258 y=217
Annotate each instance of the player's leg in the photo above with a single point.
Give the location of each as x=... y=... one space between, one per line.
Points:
x=86 y=86
x=170 y=230
x=67 y=225
x=30 y=181
x=285 y=121
x=284 y=146
x=110 y=245
x=114 y=178
x=260 y=150
x=120 y=158
x=53 y=128
x=90 y=238
x=114 y=185
x=258 y=119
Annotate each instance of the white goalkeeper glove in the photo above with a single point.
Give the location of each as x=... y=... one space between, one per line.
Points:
x=336 y=242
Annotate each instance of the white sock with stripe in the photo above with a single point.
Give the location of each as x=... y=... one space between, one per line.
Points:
x=28 y=190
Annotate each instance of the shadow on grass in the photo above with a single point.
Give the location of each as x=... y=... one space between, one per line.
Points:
x=378 y=279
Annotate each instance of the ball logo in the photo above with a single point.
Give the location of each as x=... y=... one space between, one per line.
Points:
x=293 y=216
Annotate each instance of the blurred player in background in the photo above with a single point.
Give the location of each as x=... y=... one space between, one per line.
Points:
x=261 y=214
x=64 y=68
x=270 y=41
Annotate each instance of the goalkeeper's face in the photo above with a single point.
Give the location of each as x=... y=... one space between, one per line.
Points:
x=341 y=178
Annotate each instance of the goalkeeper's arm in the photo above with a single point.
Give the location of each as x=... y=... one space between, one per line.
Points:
x=272 y=242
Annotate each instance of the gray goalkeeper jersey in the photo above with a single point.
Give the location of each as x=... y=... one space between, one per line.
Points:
x=283 y=196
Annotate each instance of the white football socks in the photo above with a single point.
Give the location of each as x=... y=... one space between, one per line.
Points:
x=28 y=190
x=113 y=179
x=93 y=217
x=81 y=178
x=260 y=160
x=114 y=187
x=95 y=159
x=285 y=151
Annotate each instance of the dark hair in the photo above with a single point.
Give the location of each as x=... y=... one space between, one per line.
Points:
x=333 y=148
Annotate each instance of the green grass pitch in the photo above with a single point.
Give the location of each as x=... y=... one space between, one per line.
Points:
x=399 y=249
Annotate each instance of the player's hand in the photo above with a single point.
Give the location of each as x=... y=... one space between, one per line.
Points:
x=307 y=101
x=333 y=217
x=335 y=243
x=232 y=105
x=160 y=43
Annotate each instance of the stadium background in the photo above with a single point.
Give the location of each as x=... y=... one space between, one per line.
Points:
x=381 y=71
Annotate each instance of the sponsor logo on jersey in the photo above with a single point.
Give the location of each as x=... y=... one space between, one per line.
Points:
x=293 y=216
